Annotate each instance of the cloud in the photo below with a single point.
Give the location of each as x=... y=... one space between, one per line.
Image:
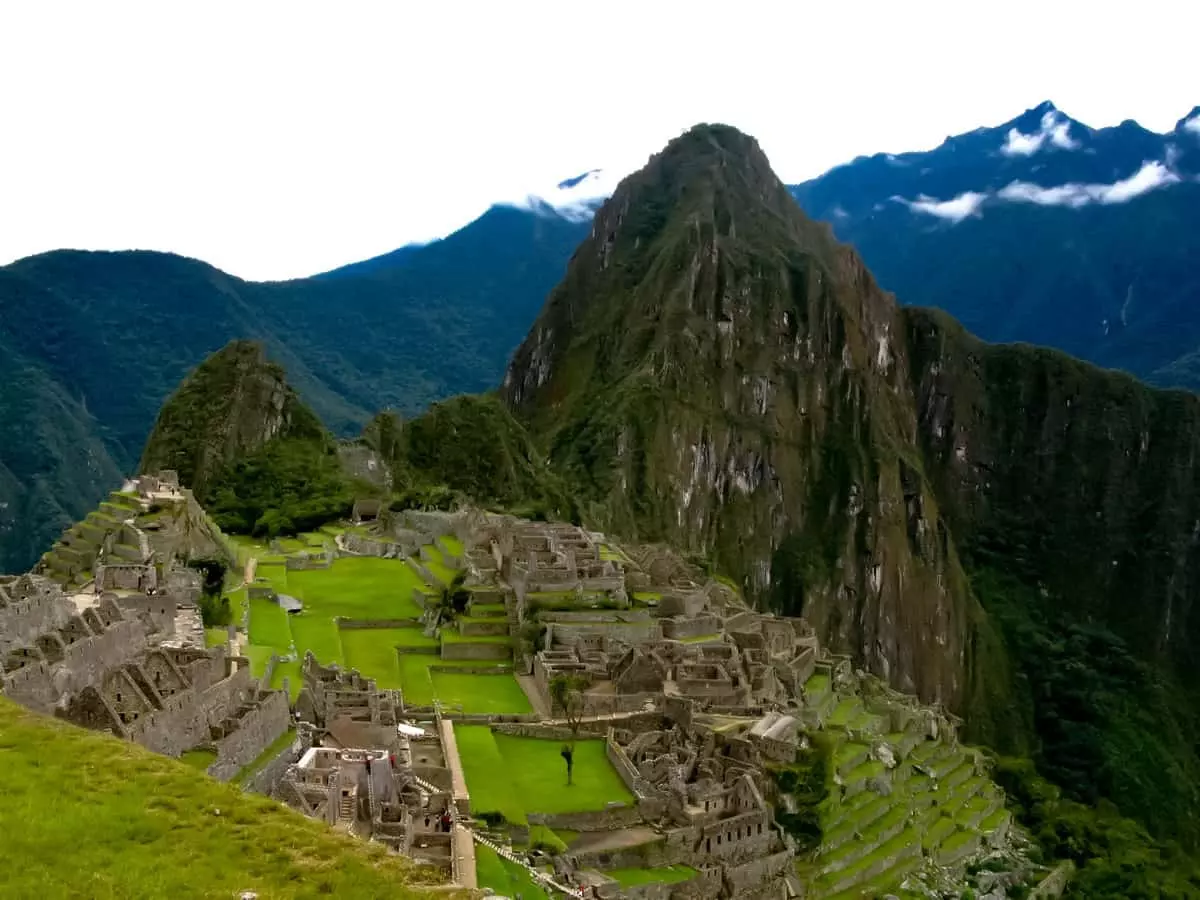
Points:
x=966 y=204
x=1058 y=133
x=1193 y=125
x=1150 y=176
x=576 y=199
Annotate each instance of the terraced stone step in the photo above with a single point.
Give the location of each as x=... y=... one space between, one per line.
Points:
x=957 y=847
x=857 y=821
x=886 y=882
x=881 y=861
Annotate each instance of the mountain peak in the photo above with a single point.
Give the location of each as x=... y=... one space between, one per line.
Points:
x=232 y=403
x=1190 y=122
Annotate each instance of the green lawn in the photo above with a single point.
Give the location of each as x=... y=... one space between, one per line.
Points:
x=480 y=693
x=482 y=762
x=535 y=775
x=476 y=693
x=290 y=671
x=540 y=775
x=259 y=656
x=269 y=625
x=318 y=633
x=121 y=822
x=504 y=878
x=437 y=566
x=452 y=544
x=215 y=637
x=373 y=652
x=359 y=587
x=657 y=875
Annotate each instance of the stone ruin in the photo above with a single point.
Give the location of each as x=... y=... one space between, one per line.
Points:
x=697 y=698
x=374 y=774
x=124 y=651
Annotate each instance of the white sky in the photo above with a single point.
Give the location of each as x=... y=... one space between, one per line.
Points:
x=279 y=139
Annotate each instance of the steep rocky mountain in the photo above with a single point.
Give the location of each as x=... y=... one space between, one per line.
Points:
x=717 y=371
x=1040 y=230
x=722 y=375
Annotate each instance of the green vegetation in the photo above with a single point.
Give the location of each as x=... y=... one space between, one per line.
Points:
x=473 y=446
x=1115 y=856
x=359 y=587
x=534 y=783
x=1099 y=722
x=481 y=760
x=373 y=650
x=807 y=781
x=112 y=827
x=505 y=878
x=199 y=759
x=658 y=875
x=480 y=693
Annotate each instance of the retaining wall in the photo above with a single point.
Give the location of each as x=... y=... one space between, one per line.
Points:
x=256 y=731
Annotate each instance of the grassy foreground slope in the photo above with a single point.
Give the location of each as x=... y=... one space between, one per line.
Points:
x=90 y=816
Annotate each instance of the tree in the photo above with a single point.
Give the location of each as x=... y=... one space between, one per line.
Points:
x=566 y=695
x=453 y=600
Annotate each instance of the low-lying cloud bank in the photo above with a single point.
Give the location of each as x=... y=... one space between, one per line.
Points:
x=1151 y=176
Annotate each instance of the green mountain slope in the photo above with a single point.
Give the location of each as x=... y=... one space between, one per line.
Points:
x=239 y=436
x=101 y=339
x=717 y=372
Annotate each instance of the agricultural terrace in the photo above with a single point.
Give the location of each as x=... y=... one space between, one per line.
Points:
x=363 y=612
x=535 y=776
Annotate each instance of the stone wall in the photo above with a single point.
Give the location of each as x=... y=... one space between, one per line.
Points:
x=370 y=546
x=681 y=629
x=616 y=816
x=87 y=660
x=267 y=779
x=629 y=632
x=738 y=837
x=749 y=875
x=475 y=650
x=23 y=618
x=256 y=731
x=183 y=722
x=161 y=608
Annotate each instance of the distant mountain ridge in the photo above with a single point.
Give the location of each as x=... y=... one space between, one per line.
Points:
x=1091 y=252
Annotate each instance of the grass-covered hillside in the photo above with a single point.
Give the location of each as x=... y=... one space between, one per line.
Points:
x=87 y=815
x=91 y=344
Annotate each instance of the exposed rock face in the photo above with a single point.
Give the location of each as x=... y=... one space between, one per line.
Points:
x=230 y=405
x=720 y=373
x=1082 y=480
